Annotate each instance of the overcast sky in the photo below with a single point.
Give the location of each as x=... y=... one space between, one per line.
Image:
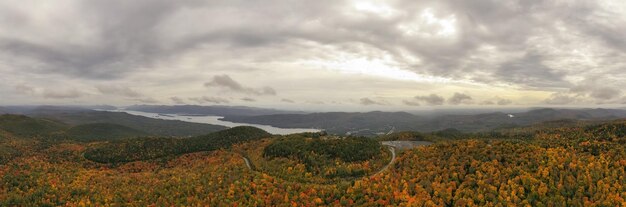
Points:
x=322 y=54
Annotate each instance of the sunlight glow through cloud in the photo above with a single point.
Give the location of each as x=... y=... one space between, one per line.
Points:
x=373 y=67
x=375 y=7
x=428 y=25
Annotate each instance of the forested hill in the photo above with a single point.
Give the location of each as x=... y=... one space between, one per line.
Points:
x=24 y=126
x=102 y=131
x=371 y=123
x=152 y=126
x=581 y=164
x=208 y=110
x=336 y=122
x=128 y=150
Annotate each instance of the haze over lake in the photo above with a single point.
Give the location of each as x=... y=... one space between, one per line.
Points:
x=215 y=120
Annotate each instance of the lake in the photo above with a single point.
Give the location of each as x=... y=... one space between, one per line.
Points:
x=215 y=120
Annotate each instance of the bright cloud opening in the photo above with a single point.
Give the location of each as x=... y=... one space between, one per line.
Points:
x=375 y=7
x=373 y=67
x=428 y=25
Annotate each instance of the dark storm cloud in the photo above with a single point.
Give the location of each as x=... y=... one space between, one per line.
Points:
x=459 y=98
x=432 y=99
x=224 y=81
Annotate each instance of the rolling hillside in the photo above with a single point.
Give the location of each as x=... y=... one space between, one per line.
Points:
x=578 y=165
x=102 y=131
x=208 y=110
x=371 y=123
x=337 y=122
x=24 y=126
x=150 y=148
x=156 y=127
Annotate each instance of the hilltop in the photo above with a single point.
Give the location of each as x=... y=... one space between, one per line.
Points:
x=152 y=126
x=134 y=149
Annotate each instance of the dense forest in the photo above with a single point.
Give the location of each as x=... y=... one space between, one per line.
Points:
x=582 y=164
x=146 y=148
x=317 y=160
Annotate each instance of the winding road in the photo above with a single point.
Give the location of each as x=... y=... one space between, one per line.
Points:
x=247 y=162
x=393 y=158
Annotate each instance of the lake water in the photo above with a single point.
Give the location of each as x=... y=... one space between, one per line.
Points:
x=215 y=121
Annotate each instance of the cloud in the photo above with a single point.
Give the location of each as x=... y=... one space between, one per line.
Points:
x=497 y=101
x=25 y=89
x=459 y=98
x=63 y=94
x=530 y=71
x=316 y=102
x=287 y=100
x=207 y=99
x=560 y=99
x=116 y=39
x=528 y=45
x=432 y=99
x=605 y=93
x=503 y=102
x=410 y=103
x=177 y=100
x=368 y=101
x=147 y=100
x=246 y=99
x=118 y=91
x=224 y=81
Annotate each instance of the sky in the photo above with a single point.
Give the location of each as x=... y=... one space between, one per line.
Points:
x=318 y=55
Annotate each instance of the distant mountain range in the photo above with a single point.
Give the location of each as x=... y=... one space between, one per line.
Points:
x=336 y=122
x=38 y=109
x=372 y=123
x=79 y=115
x=356 y=123
x=209 y=110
